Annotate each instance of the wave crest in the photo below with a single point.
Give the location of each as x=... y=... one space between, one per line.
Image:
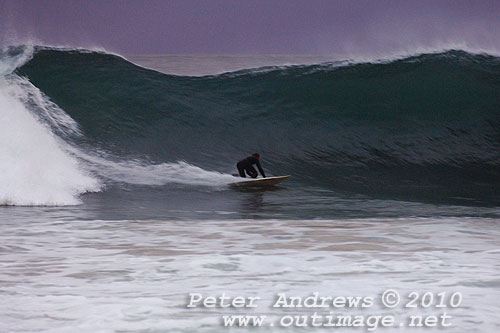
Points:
x=391 y=127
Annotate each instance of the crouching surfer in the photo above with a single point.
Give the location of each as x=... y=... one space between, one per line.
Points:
x=246 y=164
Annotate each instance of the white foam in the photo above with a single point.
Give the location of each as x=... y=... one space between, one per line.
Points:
x=129 y=275
x=34 y=167
x=142 y=173
x=133 y=172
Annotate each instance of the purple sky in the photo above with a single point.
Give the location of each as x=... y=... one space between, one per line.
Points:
x=347 y=27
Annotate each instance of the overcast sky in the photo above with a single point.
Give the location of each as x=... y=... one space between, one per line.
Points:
x=349 y=27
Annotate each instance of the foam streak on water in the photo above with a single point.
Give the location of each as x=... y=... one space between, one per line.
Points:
x=108 y=276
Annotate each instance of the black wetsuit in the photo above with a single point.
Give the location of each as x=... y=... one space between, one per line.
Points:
x=246 y=165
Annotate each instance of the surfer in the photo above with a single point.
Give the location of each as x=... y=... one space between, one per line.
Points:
x=246 y=165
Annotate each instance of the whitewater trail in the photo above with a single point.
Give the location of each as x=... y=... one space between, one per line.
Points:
x=139 y=172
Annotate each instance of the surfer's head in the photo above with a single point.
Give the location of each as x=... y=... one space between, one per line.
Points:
x=256 y=155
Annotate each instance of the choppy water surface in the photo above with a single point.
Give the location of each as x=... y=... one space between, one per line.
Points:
x=66 y=275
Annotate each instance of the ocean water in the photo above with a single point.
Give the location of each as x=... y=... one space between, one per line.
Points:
x=116 y=205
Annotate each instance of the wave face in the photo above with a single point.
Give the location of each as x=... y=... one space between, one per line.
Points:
x=424 y=128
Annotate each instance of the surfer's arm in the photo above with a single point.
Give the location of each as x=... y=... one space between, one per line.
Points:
x=260 y=169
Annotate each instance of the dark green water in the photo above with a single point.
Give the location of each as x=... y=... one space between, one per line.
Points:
x=415 y=136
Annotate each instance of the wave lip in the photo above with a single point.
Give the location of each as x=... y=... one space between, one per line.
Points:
x=14 y=57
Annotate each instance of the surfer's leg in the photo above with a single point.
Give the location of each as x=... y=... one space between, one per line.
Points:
x=252 y=172
x=241 y=171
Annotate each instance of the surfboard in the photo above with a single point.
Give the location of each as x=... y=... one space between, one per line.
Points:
x=269 y=181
